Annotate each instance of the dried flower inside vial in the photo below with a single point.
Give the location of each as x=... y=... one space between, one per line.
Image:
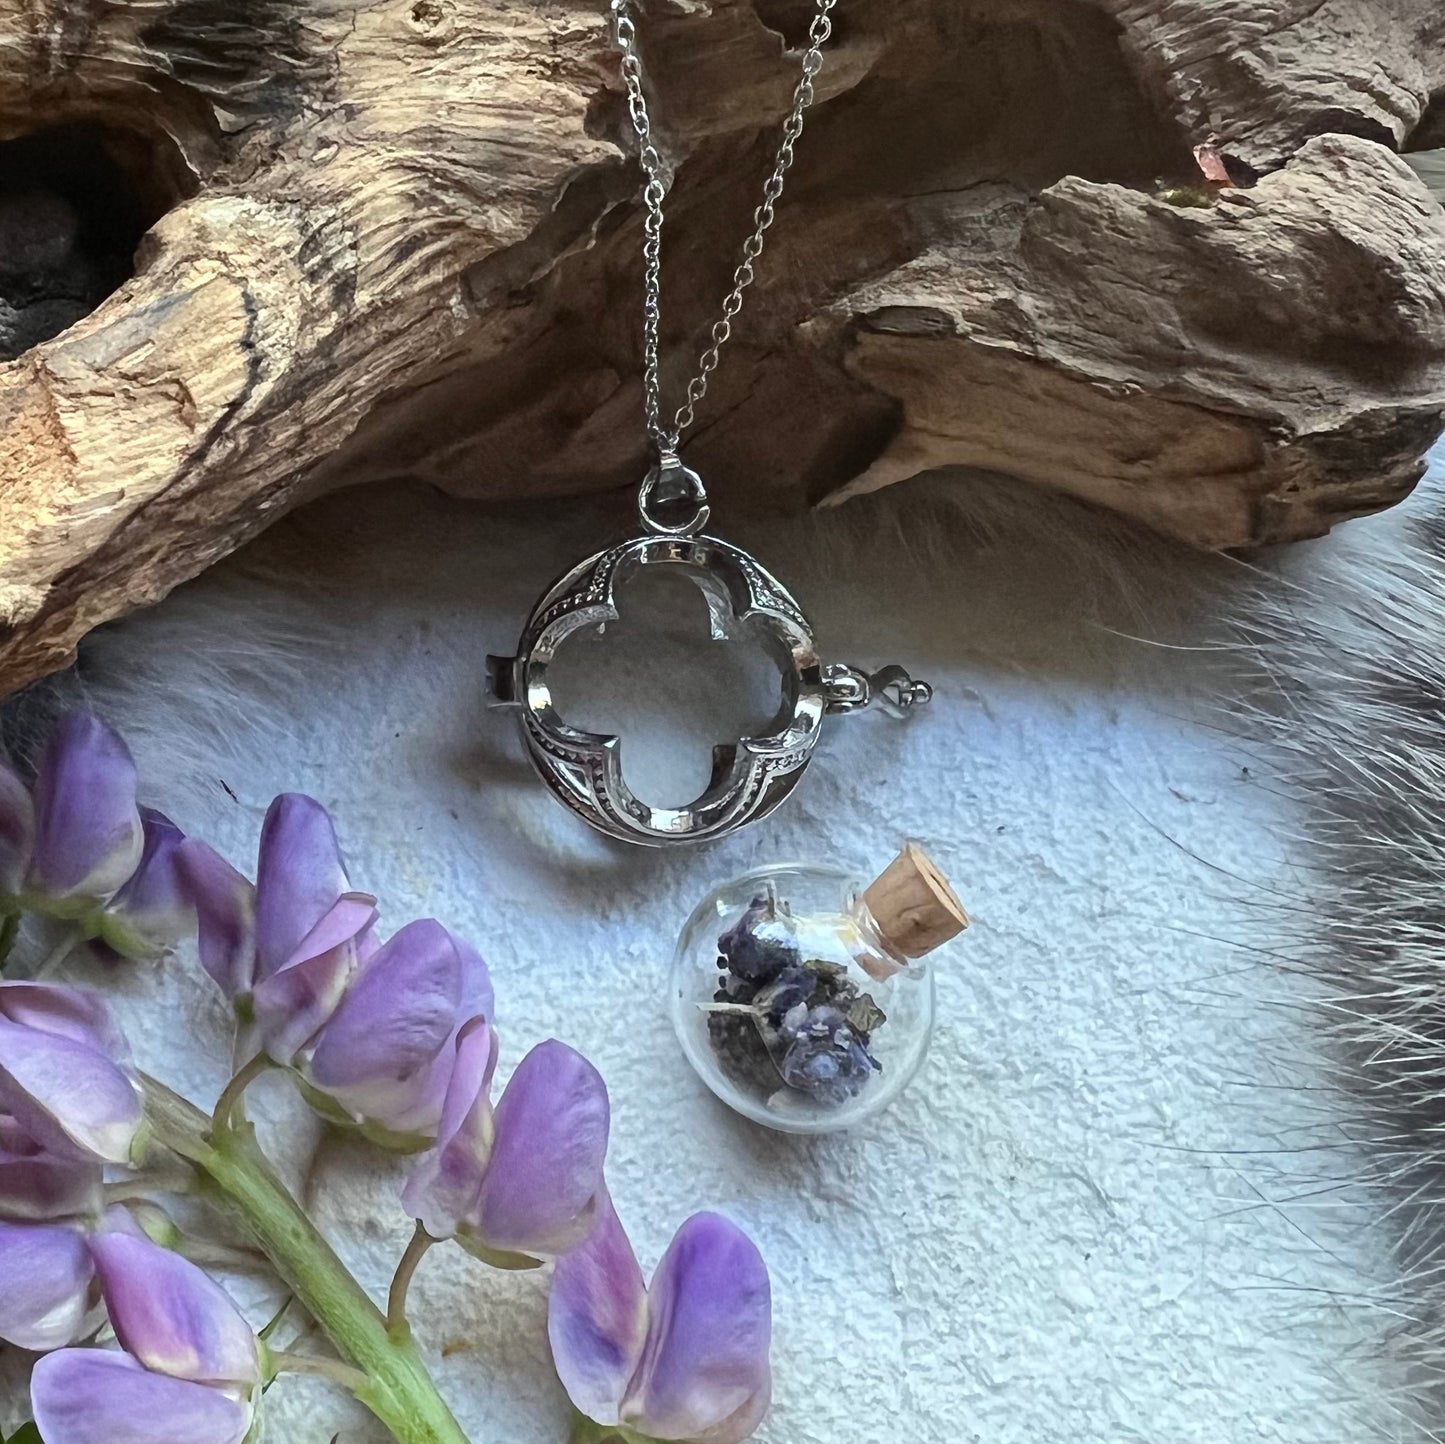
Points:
x=826 y=1057
x=762 y=942
x=782 y=1021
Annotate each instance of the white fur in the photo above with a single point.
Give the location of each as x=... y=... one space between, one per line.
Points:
x=1126 y=1201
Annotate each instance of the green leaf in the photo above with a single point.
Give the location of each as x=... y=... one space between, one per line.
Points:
x=28 y=1434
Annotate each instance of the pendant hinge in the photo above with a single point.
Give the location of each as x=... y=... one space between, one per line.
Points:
x=850 y=689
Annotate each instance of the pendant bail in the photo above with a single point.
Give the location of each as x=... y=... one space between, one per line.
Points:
x=673 y=501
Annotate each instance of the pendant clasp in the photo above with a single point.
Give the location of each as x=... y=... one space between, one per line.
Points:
x=850 y=689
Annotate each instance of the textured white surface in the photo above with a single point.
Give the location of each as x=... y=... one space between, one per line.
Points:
x=1076 y=1227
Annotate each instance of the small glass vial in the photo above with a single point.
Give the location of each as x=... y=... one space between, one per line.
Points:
x=803 y=998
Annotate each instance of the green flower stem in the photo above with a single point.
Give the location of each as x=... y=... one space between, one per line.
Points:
x=146 y=1181
x=397 y=1388
x=278 y=1361
x=416 y=1251
x=228 y=1112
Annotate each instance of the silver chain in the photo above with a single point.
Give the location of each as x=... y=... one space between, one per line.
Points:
x=655 y=193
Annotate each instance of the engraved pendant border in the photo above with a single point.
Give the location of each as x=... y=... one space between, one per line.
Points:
x=750 y=777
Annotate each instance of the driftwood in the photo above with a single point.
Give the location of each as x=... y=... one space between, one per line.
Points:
x=1159 y=254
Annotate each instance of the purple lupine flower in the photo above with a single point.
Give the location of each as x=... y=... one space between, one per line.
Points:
x=249 y=932
x=62 y=1080
x=290 y=1005
x=88 y=833
x=44 y=1175
x=170 y=1315
x=80 y=1396
x=686 y=1359
x=84 y=851
x=191 y=1370
x=49 y=1297
x=154 y=907
x=383 y=1059
x=285 y=949
x=370 y=1030
x=523 y=1181
x=225 y=904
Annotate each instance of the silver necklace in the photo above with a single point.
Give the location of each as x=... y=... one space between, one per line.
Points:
x=753 y=775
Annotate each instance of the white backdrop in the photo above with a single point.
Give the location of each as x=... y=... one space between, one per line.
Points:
x=1104 y=1212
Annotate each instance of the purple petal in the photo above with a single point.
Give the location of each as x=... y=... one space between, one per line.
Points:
x=597 y=1319
x=88 y=827
x=83 y=1396
x=477 y=1000
x=409 y=1112
x=705 y=1374
x=395 y=1017
x=71 y=1099
x=444 y=1185
x=67 y=1012
x=17 y=831
x=299 y=876
x=36 y=1186
x=154 y=908
x=225 y=904
x=47 y=1297
x=293 y=1002
x=541 y=1190
x=173 y=1317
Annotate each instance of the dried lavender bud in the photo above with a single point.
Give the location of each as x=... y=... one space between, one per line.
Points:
x=792 y=987
x=826 y=1058
x=762 y=942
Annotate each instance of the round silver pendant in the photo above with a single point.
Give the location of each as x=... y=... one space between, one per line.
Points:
x=751 y=776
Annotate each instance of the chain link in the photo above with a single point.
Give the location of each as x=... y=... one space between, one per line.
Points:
x=654 y=194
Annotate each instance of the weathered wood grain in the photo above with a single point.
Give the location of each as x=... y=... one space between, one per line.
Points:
x=399 y=238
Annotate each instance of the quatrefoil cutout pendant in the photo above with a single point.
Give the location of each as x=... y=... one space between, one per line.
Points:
x=750 y=777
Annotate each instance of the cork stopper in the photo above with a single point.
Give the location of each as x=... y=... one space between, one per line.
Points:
x=915 y=908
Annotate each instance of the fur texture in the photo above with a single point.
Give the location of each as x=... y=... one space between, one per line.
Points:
x=1169 y=1174
x=1352 y=636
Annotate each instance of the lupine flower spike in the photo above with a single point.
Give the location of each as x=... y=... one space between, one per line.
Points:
x=395 y=1038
